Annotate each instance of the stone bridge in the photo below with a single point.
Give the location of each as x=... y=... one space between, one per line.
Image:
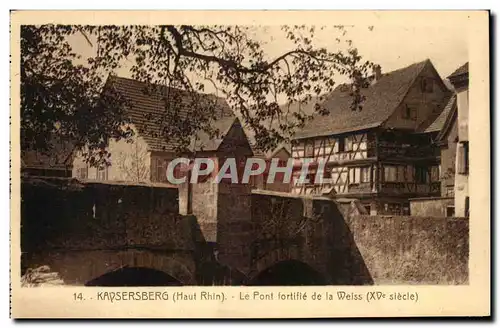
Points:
x=112 y=234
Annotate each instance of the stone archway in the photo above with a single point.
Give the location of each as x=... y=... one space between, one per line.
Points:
x=288 y=273
x=134 y=277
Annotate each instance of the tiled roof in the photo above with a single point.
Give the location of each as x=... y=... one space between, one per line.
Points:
x=382 y=98
x=451 y=116
x=306 y=107
x=147 y=108
x=464 y=69
x=437 y=124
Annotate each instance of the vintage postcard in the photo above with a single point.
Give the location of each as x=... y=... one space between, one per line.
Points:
x=273 y=164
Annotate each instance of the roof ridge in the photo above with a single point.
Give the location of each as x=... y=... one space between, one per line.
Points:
x=389 y=73
x=409 y=85
x=406 y=67
x=164 y=86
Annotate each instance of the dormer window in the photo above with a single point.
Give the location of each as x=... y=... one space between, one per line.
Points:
x=427 y=86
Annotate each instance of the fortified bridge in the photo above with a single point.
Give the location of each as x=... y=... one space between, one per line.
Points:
x=112 y=234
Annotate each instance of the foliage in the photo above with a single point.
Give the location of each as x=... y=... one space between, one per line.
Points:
x=62 y=97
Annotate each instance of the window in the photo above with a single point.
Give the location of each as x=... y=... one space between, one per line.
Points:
x=390 y=173
x=365 y=174
x=348 y=144
x=427 y=86
x=160 y=172
x=309 y=151
x=354 y=175
x=401 y=174
x=341 y=144
x=421 y=174
x=409 y=174
x=409 y=113
x=359 y=175
x=102 y=173
x=406 y=112
x=450 y=211
x=434 y=173
x=83 y=173
x=463 y=157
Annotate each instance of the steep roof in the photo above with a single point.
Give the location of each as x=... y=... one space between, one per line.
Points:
x=436 y=124
x=464 y=69
x=382 y=99
x=146 y=108
x=451 y=116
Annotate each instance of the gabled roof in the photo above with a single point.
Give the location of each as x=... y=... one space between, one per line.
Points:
x=382 y=99
x=436 y=124
x=449 y=119
x=146 y=108
x=464 y=69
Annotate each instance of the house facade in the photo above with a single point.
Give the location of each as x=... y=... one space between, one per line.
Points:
x=145 y=157
x=460 y=81
x=384 y=154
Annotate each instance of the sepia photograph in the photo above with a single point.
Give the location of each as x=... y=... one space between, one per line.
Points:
x=217 y=154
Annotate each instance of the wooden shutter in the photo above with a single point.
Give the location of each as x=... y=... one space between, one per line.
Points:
x=460 y=158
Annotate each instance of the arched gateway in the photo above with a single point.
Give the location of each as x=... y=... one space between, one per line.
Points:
x=134 y=277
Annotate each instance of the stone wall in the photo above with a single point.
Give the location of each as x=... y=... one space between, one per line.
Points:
x=413 y=250
x=95 y=221
x=431 y=206
x=306 y=229
x=358 y=249
x=204 y=199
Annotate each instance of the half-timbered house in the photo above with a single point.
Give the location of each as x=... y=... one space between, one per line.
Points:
x=384 y=153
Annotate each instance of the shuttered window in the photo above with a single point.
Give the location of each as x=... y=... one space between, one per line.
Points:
x=463 y=157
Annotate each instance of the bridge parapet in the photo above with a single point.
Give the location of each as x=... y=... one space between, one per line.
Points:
x=102 y=227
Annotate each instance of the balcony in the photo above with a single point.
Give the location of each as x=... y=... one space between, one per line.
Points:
x=391 y=150
x=413 y=188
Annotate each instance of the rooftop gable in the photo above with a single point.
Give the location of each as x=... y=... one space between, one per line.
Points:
x=464 y=69
x=146 y=107
x=381 y=100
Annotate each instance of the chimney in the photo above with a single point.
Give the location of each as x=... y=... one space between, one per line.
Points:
x=377 y=72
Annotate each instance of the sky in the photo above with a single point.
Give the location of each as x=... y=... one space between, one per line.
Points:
x=391 y=46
